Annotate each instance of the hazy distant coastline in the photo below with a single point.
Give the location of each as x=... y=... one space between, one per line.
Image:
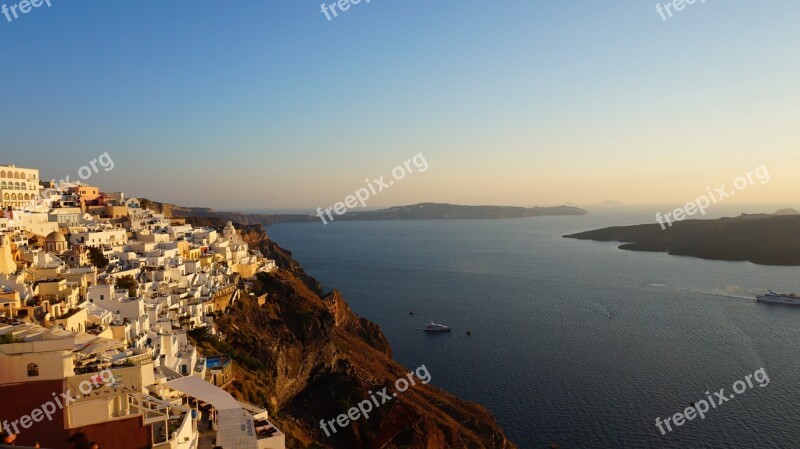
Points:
x=421 y=211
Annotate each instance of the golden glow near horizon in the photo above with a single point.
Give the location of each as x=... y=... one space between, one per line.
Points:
x=523 y=103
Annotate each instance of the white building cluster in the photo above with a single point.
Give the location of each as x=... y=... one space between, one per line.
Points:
x=91 y=281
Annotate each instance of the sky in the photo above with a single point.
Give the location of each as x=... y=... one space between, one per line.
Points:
x=269 y=105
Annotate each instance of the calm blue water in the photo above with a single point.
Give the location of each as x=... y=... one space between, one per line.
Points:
x=573 y=341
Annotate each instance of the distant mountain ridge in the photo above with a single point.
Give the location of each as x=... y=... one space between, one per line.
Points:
x=421 y=211
x=444 y=211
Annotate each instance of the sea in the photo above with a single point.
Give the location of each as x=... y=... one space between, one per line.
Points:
x=574 y=342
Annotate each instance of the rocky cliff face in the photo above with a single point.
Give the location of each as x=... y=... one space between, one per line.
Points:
x=200 y=214
x=310 y=358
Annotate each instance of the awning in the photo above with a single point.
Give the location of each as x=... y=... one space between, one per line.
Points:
x=101 y=345
x=235 y=429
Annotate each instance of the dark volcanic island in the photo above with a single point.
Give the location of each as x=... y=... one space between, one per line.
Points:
x=761 y=239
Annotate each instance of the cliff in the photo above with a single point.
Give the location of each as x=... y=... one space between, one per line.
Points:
x=307 y=357
x=204 y=213
x=760 y=239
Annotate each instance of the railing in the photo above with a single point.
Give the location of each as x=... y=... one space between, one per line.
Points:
x=252 y=408
x=138 y=359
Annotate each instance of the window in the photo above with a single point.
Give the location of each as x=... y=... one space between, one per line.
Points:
x=33 y=370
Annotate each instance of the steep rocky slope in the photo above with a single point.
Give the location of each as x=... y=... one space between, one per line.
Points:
x=307 y=357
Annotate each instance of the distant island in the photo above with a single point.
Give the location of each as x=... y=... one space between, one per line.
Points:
x=421 y=211
x=758 y=238
x=443 y=211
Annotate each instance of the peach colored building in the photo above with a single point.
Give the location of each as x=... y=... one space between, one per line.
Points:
x=18 y=186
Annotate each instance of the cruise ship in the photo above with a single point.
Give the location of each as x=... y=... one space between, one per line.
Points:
x=779 y=298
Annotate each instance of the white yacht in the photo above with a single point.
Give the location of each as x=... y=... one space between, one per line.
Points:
x=780 y=298
x=434 y=327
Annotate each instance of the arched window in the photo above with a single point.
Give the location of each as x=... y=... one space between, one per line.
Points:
x=3 y=185
x=2 y=174
x=16 y=175
x=33 y=370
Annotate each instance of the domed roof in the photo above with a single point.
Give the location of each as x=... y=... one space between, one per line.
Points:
x=55 y=237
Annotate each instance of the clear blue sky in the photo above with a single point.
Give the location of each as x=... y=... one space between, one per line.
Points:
x=266 y=104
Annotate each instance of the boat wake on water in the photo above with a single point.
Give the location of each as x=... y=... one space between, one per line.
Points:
x=733 y=292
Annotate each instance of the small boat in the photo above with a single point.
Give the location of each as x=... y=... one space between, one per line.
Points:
x=434 y=327
x=780 y=298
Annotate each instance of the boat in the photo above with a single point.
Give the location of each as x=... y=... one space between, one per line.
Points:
x=434 y=327
x=780 y=298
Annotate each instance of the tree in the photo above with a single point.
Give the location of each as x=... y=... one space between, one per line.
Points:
x=97 y=258
x=128 y=283
x=8 y=338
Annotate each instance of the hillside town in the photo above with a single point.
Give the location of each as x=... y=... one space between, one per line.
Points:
x=98 y=295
